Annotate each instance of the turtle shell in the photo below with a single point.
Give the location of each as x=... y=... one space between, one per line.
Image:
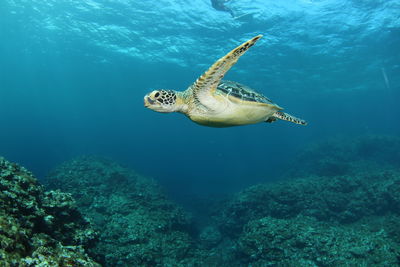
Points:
x=242 y=92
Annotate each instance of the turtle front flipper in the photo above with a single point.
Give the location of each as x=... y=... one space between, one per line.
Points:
x=286 y=117
x=207 y=83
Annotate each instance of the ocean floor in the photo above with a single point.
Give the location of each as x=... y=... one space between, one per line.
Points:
x=338 y=204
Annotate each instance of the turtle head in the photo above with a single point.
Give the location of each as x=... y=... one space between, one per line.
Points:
x=161 y=101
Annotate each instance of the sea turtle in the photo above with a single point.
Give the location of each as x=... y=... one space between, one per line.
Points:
x=210 y=101
x=220 y=6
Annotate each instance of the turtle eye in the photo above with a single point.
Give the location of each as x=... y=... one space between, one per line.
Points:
x=157 y=94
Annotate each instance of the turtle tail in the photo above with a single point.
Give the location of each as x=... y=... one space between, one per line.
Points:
x=286 y=117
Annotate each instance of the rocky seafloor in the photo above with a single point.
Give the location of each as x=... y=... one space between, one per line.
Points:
x=38 y=227
x=338 y=205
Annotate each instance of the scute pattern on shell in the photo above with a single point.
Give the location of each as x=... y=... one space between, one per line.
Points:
x=242 y=92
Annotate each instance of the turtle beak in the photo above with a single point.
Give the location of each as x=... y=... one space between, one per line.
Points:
x=148 y=101
x=144 y=100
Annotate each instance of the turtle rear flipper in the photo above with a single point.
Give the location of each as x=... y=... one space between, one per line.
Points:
x=271 y=119
x=286 y=117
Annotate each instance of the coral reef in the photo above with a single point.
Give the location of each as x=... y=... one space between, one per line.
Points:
x=345 y=213
x=340 y=207
x=138 y=225
x=39 y=228
x=344 y=155
x=340 y=199
x=302 y=241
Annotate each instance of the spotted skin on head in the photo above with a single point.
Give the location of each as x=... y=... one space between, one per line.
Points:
x=167 y=97
x=162 y=101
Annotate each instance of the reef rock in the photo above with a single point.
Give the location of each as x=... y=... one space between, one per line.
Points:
x=345 y=155
x=340 y=199
x=138 y=225
x=302 y=241
x=342 y=210
x=39 y=228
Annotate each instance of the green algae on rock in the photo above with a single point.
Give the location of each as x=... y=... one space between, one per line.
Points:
x=319 y=217
x=138 y=225
x=345 y=217
x=39 y=228
x=302 y=241
x=340 y=199
x=340 y=180
x=345 y=155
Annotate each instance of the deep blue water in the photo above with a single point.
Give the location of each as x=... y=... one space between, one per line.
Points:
x=73 y=75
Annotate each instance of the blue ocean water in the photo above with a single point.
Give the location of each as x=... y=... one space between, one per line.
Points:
x=73 y=75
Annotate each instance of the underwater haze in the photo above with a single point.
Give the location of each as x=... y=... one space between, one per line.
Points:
x=73 y=74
